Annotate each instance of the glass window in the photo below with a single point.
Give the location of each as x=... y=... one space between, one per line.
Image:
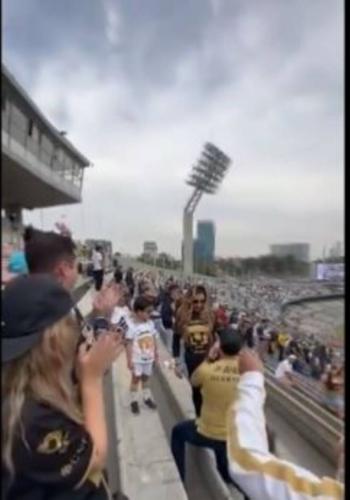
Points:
x=5 y=113
x=30 y=127
x=18 y=125
x=60 y=155
x=33 y=131
x=35 y=134
x=68 y=162
x=3 y=102
x=18 y=118
x=46 y=144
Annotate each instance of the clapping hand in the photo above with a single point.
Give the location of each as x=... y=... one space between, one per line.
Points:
x=63 y=229
x=107 y=299
x=94 y=360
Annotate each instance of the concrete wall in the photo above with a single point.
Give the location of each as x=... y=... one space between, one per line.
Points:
x=323 y=432
x=178 y=395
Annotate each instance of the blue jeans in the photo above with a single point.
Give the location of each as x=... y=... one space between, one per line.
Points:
x=186 y=432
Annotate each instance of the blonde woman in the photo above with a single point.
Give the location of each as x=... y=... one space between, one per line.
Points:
x=54 y=431
x=194 y=323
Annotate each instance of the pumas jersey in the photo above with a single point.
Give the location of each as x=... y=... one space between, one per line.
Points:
x=197 y=337
x=143 y=337
x=121 y=318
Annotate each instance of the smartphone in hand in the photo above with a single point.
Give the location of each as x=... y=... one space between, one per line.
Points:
x=100 y=325
x=121 y=326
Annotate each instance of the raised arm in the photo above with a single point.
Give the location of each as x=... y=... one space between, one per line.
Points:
x=260 y=474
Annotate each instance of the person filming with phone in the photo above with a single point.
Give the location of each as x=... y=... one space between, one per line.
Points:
x=54 y=428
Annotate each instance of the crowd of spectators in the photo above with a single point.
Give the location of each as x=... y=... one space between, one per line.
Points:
x=267 y=295
x=61 y=412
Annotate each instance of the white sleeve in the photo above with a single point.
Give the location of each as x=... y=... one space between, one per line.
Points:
x=129 y=333
x=155 y=331
x=115 y=318
x=261 y=475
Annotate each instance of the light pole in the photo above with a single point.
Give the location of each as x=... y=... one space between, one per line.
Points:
x=205 y=177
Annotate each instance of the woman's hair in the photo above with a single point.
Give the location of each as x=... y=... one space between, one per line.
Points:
x=44 y=374
x=185 y=311
x=198 y=290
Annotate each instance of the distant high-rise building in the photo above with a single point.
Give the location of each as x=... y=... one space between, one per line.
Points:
x=150 y=249
x=300 y=251
x=336 y=250
x=204 y=245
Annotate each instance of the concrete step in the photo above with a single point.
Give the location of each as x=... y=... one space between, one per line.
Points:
x=148 y=470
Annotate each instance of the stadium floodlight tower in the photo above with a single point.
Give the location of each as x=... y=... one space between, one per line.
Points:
x=205 y=177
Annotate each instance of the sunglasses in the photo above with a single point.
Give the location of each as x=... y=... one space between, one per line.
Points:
x=198 y=302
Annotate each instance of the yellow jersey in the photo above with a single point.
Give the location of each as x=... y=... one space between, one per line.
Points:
x=197 y=336
x=282 y=339
x=218 y=382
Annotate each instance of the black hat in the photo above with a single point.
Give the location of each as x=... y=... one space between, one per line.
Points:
x=231 y=340
x=30 y=304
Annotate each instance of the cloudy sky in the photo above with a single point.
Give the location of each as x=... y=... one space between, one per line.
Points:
x=140 y=85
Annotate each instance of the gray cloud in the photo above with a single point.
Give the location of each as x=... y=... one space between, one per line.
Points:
x=141 y=85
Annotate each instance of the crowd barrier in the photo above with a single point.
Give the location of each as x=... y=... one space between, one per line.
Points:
x=308 y=386
x=316 y=425
x=179 y=397
x=310 y=299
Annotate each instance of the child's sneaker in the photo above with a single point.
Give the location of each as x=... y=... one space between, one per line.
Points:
x=135 y=407
x=150 y=403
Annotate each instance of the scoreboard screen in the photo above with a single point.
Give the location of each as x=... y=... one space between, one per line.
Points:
x=330 y=272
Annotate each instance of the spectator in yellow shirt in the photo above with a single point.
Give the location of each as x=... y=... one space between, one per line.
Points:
x=282 y=341
x=217 y=381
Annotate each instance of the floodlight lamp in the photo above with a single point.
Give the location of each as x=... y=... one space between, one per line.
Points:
x=210 y=169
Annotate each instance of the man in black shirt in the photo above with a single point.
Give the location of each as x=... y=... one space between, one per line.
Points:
x=118 y=274
x=129 y=280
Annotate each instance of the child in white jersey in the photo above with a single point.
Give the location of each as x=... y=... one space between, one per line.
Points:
x=121 y=315
x=141 y=352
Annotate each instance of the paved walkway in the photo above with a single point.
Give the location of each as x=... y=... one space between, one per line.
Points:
x=148 y=468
